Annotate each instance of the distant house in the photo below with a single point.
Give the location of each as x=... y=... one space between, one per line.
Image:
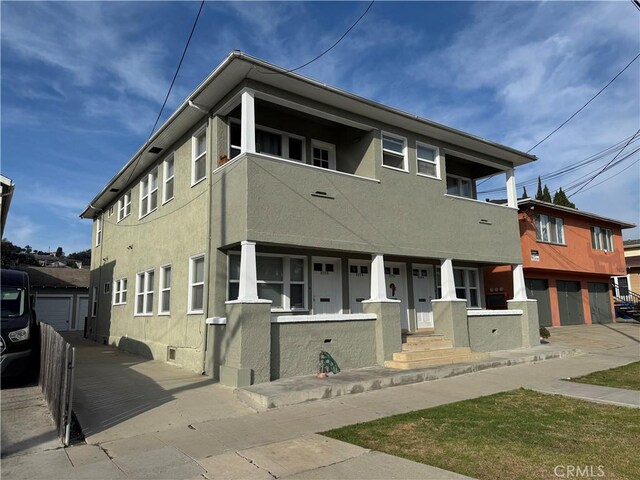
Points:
x=631 y=280
x=569 y=259
x=62 y=296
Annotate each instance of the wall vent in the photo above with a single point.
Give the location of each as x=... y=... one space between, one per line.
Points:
x=171 y=354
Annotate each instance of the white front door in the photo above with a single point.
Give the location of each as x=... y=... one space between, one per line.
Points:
x=82 y=311
x=395 y=278
x=359 y=284
x=327 y=285
x=424 y=291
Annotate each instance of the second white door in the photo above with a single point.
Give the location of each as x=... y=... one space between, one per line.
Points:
x=327 y=285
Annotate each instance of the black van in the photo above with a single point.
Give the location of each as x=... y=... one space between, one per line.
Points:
x=20 y=335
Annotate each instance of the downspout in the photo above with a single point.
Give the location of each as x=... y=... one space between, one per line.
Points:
x=97 y=290
x=209 y=240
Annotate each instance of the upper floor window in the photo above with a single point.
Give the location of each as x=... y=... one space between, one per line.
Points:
x=602 y=239
x=323 y=155
x=149 y=193
x=427 y=158
x=199 y=157
x=459 y=186
x=124 y=206
x=111 y=211
x=98 y=231
x=394 y=151
x=169 y=174
x=549 y=229
x=120 y=291
x=196 y=284
x=269 y=141
x=235 y=134
x=144 y=292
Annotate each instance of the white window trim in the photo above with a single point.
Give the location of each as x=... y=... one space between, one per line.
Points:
x=192 y=260
x=325 y=146
x=284 y=142
x=162 y=288
x=98 y=231
x=94 y=302
x=106 y=288
x=479 y=285
x=435 y=162
x=460 y=178
x=111 y=211
x=147 y=178
x=199 y=132
x=548 y=229
x=600 y=240
x=123 y=204
x=286 y=281
x=166 y=179
x=143 y=275
x=118 y=291
x=405 y=160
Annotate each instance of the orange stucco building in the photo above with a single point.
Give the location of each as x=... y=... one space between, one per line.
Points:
x=569 y=257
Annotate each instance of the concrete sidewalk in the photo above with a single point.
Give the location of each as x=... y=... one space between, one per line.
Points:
x=594 y=393
x=187 y=427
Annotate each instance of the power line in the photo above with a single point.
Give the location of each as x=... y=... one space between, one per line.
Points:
x=328 y=49
x=605 y=167
x=636 y=3
x=609 y=178
x=584 y=106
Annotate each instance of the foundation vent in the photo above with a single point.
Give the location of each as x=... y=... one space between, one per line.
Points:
x=171 y=354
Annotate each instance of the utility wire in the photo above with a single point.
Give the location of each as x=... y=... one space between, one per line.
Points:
x=605 y=167
x=636 y=3
x=609 y=178
x=328 y=49
x=584 y=106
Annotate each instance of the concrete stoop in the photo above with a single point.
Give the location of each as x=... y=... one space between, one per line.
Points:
x=424 y=351
x=296 y=390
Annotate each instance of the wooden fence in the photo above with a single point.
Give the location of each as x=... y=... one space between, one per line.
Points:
x=57 y=359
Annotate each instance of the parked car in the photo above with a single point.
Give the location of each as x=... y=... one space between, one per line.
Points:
x=20 y=334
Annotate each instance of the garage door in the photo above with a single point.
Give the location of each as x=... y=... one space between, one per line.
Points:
x=600 y=302
x=56 y=311
x=538 y=289
x=570 y=303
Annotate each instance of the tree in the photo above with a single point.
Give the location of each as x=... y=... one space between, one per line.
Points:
x=539 y=193
x=524 y=192
x=83 y=256
x=28 y=248
x=59 y=252
x=546 y=195
x=560 y=198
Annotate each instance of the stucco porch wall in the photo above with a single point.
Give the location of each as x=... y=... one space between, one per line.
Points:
x=489 y=332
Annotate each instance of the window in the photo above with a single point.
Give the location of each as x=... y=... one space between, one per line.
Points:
x=98 y=231
x=149 y=193
x=94 y=302
x=199 y=155
x=323 y=155
x=120 y=292
x=549 y=229
x=107 y=287
x=169 y=173
x=467 y=285
x=602 y=239
x=459 y=186
x=196 y=284
x=269 y=142
x=427 y=158
x=281 y=279
x=234 y=139
x=394 y=151
x=165 y=290
x=124 y=206
x=111 y=211
x=144 y=292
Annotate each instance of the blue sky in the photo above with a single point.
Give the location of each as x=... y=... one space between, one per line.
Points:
x=82 y=83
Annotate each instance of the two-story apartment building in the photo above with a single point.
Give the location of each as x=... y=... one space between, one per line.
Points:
x=569 y=259
x=273 y=216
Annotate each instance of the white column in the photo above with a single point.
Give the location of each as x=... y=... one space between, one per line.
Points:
x=512 y=192
x=378 y=283
x=248 y=123
x=248 y=277
x=447 y=280
x=519 y=288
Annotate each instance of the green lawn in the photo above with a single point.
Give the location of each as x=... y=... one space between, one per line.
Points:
x=519 y=434
x=627 y=376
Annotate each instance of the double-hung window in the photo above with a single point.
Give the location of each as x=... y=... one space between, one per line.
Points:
x=168 y=179
x=459 y=186
x=149 y=193
x=164 y=306
x=124 y=206
x=427 y=158
x=196 y=284
x=394 y=151
x=602 y=239
x=467 y=285
x=281 y=279
x=269 y=141
x=98 y=231
x=199 y=156
x=94 y=302
x=120 y=292
x=144 y=292
x=549 y=229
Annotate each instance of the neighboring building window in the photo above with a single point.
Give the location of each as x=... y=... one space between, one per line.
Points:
x=323 y=155
x=199 y=155
x=120 y=291
x=149 y=193
x=467 y=285
x=144 y=292
x=427 y=157
x=549 y=229
x=394 y=151
x=165 y=289
x=196 y=284
x=94 y=302
x=169 y=174
x=107 y=287
x=124 y=206
x=459 y=186
x=98 y=231
x=281 y=279
x=602 y=239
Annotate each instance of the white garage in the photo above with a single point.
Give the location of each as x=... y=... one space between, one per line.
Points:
x=56 y=310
